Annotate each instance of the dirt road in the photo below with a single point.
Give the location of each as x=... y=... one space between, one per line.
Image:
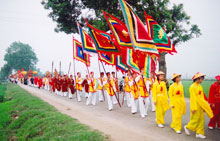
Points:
x=119 y=124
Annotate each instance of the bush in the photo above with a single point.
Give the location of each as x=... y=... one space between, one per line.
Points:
x=2 y=92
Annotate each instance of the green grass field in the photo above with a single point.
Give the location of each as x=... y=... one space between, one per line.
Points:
x=25 y=117
x=206 y=85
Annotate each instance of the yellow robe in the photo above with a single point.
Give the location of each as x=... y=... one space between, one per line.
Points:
x=176 y=94
x=161 y=98
x=199 y=105
x=109 y=87
x=134 y=90
x=92 y=88
x=79 y=86
x=127 y=87
x=142 y=87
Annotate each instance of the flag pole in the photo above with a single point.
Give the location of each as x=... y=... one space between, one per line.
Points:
x=52 y=70
x=69 y=68
x=74 y=70
x=60 y=67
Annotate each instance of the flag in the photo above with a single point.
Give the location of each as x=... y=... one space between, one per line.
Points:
x=107 y=58
x=102 y=40
x=78 y=53
x=119 y=30
x=147 y=66
x=120 y=64
x=159 y=36
x=131 y=60
x=137 y=31
x=87 y=41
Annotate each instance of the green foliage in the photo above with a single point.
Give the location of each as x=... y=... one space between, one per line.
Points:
x=172 y=17
x=18 y=55
x=26 y=117
x=2 y=93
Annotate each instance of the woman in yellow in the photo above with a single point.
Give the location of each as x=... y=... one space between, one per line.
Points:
x=160 y=98
x=198 y=106
x=177 y=103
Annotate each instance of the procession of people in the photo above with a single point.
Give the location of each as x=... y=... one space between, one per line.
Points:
x=139 y=93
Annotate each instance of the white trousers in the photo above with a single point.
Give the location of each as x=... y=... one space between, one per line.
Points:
x=134 y=103
x=86 y=94
x=65 y=94
x=101 y=98
x=127 y=96
x=110 y=101
x=91 y=99
x=79 y=93
x=70 y=94
x=143 y=105
x=151 y=102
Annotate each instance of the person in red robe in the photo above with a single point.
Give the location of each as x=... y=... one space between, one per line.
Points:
x=59 y=85
x=214 y=100
x=40 y=83
x=65 y=85
x=86 y=86
x=36 y=81
x=71 y=86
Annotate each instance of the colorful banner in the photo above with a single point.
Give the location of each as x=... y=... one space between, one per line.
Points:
x=159 y=36
x=87 y=42
x=119 y=30
x=107 y=59
x=120 y=64
x=139 y=35
x=78 y=53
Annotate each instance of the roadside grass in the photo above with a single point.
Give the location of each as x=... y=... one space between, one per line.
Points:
x=26 y=117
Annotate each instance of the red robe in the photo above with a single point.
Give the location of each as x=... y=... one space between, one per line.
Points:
x=65 y=85
x=214 y=98
x=71 y=85
x=40 y=83
x=35 y=80
x=58 y=86
x=85 y=85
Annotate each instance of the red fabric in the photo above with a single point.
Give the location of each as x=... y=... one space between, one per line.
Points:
x=40 y=83
x=216 y=119
x=71 y=85
x=58 y=85
x=85 y=85
x=35 y=80
x=65 y=85
x=217 y=77
x=214 y=93
x=53 y=84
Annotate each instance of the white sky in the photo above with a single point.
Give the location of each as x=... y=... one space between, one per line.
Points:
x=27 y=21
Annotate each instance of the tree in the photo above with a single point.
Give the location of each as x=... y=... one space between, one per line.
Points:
x=18 y=55
x=172 y=17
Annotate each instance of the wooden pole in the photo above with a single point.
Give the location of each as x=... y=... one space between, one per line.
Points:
x=69 y=69
x=74 y=70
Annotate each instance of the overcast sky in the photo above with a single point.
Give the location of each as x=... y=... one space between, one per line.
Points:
x=27 y=21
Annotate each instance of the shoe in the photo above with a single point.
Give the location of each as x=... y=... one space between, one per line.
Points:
x=178 y=132
x=200 y=136
x=186 y=131
x=211 y=128
x=160 y=125
x=218 y=128
x=110 y=109
x=153 y=110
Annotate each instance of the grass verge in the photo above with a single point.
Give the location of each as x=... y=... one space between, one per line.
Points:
x=25 y=117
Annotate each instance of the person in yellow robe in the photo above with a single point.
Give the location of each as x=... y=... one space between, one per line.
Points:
x=127 y=88
x=92 y=90
x=101 y=87
x=110 y=90
x=134 y=94
x=160 y=98
x=79 y=82
x=177 y=103
x=198 y=106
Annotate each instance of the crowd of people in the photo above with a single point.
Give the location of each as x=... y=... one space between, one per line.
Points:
x=140 y=93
